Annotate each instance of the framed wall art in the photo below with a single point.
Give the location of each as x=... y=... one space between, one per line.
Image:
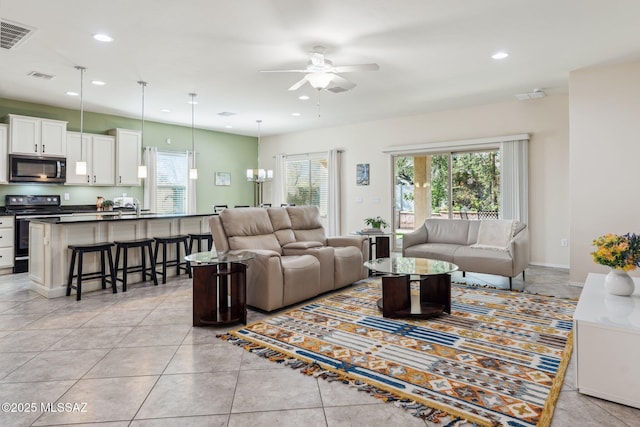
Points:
x=223 y=178
x=362 y=174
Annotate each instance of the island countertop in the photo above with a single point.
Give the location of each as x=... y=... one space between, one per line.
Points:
x=111 y=216
x=49 y=240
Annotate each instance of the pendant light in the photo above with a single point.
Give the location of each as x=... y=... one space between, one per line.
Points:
x=81 y=165
x=193 y=172
x=142 y=169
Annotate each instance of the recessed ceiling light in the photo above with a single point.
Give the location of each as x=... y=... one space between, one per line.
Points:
x=296 y=114
x=192 y=102
x=303 y=97
x=228 y=126
x=98 y=82
x=70 y=93
x=103 y=37
x=165 y=110
x=500 y=55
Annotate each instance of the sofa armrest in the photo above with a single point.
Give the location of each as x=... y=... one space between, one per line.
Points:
x=302 y=245
x=266 y=253
x=520 y=252
x=360 y=242
x=337 y=241
x=416 y=237
x=265 y=286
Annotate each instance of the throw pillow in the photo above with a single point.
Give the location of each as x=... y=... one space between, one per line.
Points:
x=495 y=234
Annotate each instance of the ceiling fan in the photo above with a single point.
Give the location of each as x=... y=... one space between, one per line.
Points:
x=321 y=74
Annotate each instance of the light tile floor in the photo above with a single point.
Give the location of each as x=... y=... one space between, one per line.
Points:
x=135 y=360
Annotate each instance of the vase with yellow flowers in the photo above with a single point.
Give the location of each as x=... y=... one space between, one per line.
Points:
x=622 y=254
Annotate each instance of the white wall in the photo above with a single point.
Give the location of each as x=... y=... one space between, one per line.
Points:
x=546 y=120
x=604 y=158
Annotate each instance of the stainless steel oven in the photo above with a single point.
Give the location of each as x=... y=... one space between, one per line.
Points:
x=26 y=208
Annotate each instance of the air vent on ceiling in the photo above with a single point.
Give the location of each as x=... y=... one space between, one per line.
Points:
x=39 y=75
x=13 y=34
x=226 y=114
x=537 y=93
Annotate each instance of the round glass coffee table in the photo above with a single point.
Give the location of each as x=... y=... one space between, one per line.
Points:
x=435 y=286
x=219 y=287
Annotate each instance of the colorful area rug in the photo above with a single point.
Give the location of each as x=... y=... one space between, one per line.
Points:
x=498 y=359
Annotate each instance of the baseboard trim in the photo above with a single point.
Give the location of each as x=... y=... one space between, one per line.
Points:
x=544 y=264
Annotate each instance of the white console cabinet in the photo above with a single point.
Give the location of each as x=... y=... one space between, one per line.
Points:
x=607 y=343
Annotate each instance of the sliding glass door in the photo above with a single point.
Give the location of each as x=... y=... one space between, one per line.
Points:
x=449 y=185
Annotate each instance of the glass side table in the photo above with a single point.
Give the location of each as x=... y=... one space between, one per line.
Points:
x=219 y=287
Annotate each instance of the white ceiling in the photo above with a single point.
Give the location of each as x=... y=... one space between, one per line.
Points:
x=433 y=55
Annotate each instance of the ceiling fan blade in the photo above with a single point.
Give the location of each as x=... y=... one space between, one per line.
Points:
x=299 y=84
x=283 y=71
x=356 y=67
x=340 y=84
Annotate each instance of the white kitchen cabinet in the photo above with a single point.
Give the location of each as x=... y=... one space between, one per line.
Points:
x=7 y=229
x=607 y=343
x=128 y=154
x=99 y=153
x=37 y=137
x=4 y=150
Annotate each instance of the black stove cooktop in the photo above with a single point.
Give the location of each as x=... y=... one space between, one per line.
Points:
x=32 y=205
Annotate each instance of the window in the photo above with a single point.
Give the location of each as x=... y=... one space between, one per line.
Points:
x=172 y=178
x=307 y=181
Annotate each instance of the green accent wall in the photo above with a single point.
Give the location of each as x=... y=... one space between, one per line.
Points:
x=216 y=152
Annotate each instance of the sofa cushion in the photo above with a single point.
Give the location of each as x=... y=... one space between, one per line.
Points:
x=281 y=225
x=304 y=217
x=245 y=222
x=263 y=241
x=487 y=261
x=249 y=229
x=439 y=251
x=495 y=234
x=447 y=231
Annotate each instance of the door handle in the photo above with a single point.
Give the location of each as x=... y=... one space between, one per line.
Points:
x=43 y=148
x=35 y=148
x=94 y=179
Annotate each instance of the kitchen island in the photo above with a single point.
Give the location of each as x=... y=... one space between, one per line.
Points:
x=49 y=239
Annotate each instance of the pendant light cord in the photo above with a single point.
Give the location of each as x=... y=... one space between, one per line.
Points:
x=193 y=141
x=82 y=70
x=143 y=84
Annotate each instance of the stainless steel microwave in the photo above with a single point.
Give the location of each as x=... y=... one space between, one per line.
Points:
x=37 y=169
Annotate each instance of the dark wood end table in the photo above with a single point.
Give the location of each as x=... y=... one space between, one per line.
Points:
x=219 y=287
x=435 y=286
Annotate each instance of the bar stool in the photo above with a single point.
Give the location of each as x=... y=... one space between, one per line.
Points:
x=124 y=246
x=80 y=250
x=180 y=265
x=199 y=237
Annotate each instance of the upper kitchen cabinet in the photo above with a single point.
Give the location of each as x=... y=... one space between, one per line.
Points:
x=128 y=153
x=98 y=151
x=37 y=137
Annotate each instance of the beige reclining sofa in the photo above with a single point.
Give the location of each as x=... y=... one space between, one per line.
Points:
x=487 y=246
x=295 y=260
